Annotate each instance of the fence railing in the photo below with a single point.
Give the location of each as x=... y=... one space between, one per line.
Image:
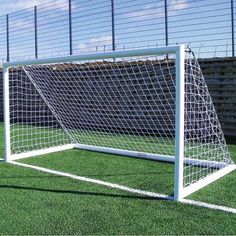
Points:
x=63 y=27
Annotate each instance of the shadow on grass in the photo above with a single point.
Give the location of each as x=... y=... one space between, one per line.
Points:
x=47 y=176
x=87 y=175
x=81 y=193
x=131 y=174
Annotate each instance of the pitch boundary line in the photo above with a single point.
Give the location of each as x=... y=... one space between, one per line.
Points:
x=127 y=189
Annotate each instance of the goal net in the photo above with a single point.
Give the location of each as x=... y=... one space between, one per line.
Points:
x=135 y=103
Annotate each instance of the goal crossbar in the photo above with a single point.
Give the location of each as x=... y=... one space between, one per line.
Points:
x=101 y=55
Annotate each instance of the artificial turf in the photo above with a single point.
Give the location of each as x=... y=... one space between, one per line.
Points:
x=37 y=203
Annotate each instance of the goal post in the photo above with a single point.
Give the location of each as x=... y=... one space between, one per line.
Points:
x=179 y=122
x=6 y=108
x=135 y=103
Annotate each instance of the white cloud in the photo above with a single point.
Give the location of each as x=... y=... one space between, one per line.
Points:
x=11 y=6
x=153 y=10
x=22 y=24
x=101 y=40
x=178 y=4
x=95 y=43
x=148 y=12
x=26 y=4
x=16 y=5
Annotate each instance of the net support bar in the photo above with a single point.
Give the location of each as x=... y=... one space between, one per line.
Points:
x=121 y=152
x=150 y=156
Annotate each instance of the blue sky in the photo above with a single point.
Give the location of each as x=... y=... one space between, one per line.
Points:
x=8 y=6
x=204 y=24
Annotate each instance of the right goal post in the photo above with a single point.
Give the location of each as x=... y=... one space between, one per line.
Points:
x=135 y=103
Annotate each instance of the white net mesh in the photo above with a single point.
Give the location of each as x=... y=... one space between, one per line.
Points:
x=204 y=138
x=32 y=124
x=126 y=104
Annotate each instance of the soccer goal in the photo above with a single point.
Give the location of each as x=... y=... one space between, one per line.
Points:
x=136 y=103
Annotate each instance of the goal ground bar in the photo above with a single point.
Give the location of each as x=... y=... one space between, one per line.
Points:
x=150 y=156
x=41 y=151
x=142 y=155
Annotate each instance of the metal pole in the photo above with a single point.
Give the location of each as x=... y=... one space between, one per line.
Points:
x=113 y=26
x=70 y=29
x=97 y=56
x=5 y=72
x=166 y=23
x=232 y=26
x=179 y=124
x=35 y=33
x=7 y=31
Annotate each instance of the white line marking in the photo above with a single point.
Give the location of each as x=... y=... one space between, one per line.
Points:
x=127 y=189
x=95 y=181
x=209 y=205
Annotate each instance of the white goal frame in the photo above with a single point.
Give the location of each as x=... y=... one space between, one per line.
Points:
x=179 y=51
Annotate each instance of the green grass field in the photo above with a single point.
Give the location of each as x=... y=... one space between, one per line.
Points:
x=33 y=202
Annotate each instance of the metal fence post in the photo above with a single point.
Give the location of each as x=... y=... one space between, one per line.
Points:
x=232 y=26
x=166 y=24
x=70 y=29
x=35 y=33
x=7 y=32
x=113 y=26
